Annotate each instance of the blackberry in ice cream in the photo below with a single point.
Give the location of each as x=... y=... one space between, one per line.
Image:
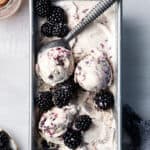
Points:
x=104 y=99
x=46 y=29
x=72 y=138
x=44 y=100
x=57 y=15
x=83 y=122
x=63 y=93
x=42 y=7
x=60 y=30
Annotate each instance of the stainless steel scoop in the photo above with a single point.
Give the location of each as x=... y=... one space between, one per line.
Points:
x=96 y=11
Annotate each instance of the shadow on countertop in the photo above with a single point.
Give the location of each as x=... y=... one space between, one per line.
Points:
x=135 y=85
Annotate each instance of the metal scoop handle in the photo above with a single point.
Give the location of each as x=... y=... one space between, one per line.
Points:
x=99 y=8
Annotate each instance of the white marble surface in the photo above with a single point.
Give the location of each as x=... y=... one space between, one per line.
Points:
x=14 y=75
x=14 y=66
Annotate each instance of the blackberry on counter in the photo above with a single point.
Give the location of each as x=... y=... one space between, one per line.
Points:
x=57 y=15
x=4 y=140
x=44 y=101
x=83 y=122
x=42 y=7
x=72 y=138
x=46 y=29
x=63 y=93
x=60 y=30
x=104 y=99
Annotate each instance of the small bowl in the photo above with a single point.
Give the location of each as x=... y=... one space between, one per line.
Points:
x=9 y=8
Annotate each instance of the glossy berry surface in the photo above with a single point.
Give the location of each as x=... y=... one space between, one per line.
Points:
x=63 y=93
x=104 y=99
x=44 y=101
x=57 y=15
x=83 y=122
x=72 y=138
x=46 y=29
x=60 y=30
x=42 y=7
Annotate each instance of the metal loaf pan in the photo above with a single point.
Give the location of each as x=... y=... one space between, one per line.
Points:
x=34 y=47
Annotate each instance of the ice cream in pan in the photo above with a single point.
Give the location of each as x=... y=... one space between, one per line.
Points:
x=92 y=62
x=55 y=65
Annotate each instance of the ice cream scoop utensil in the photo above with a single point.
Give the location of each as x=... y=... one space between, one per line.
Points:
x=96 y=11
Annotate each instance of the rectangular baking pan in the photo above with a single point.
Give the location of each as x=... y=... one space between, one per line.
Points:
x=33 y=53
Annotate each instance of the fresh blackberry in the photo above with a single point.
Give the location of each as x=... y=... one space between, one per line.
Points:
x=63 y=93
x=46 y=29
x=4 y=140
x=57 y=15
x=83 y=122
x=44 y=101
x=42 y=7
x=72 y=138
x=60 y=30
x=104 y=99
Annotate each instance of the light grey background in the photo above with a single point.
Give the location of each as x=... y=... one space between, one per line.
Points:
x=14 y=66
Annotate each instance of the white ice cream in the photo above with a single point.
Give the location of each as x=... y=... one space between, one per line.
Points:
x=54 y=123
x=93 y=73
x=100 y=35
x=55 y=65
x=99 y=38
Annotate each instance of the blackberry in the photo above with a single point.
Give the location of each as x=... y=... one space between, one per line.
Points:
x=4 y=140
x=46 y=29
x=44 y=101
x=60 y=30
x=72 y=138
x=42 y=7
x=57 y=15
x=83 y=122
x=104 y=99
x=63 y=93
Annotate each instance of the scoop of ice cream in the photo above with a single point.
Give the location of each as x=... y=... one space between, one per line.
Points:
x=93 y=73
x=53 y=124
x=55 y=65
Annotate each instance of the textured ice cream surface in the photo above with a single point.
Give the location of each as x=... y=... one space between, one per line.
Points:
x=53 y=124
x=93 y=73
x=97 y=39
x=101 y=32
x=55 y=65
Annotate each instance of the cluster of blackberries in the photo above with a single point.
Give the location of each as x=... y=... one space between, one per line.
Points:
x=60 y=96
x=73 y=137
x=56 y=24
